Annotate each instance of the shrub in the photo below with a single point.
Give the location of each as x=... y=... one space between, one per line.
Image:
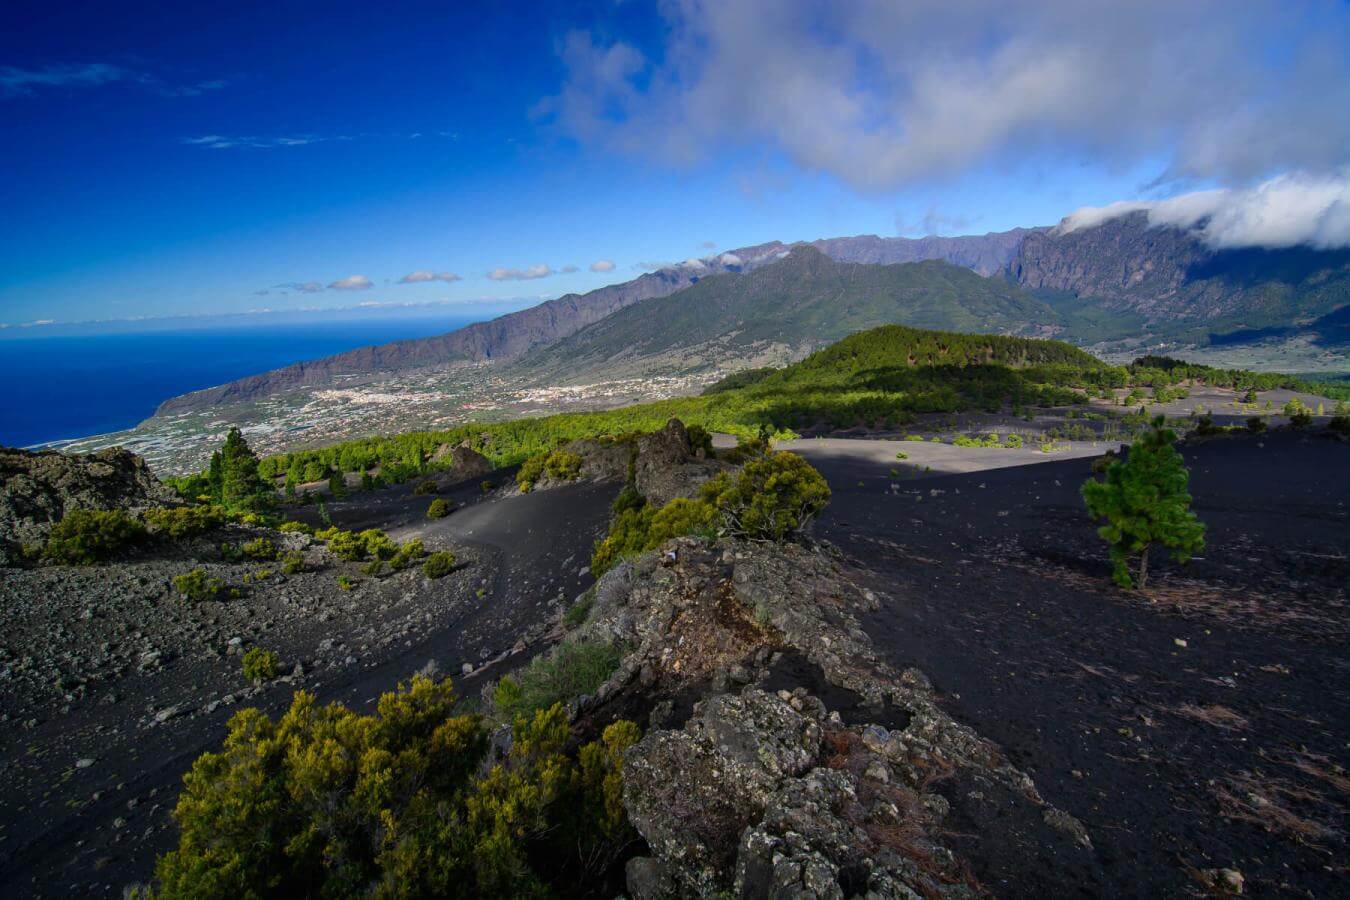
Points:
x=410 y=551
x=1013 y=442
x=438 y=509
x=1144 y=501
x=328 y=802
x=260 y=548
x=261 y=665
x=902 y=455
x=295 y=528
x=559 y=464
x=572 y=669
x=628 y=498
x=346 y=582
x=374 y=567
x=1300 y=416
x=1205 y=426
x=294 y=562
x=439 y=564
x=1250 y=396
x=1256 y=424
x=183 y=521
x=197 y=587
x=426 y=487
x=485 y=486
x=772 y=497
x=746 y=448
x=700 y=439
x=84 y=537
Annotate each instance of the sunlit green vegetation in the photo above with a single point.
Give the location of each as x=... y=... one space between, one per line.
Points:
x=326 y=802
x=84 y=537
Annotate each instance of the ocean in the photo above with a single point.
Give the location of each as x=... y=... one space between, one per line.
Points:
x=76 y=386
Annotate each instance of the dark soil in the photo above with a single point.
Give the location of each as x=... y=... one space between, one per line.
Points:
x=68 y=831
x=1198 y=725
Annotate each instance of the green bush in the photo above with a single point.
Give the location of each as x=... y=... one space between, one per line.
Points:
x=198 y=587
x=293 y=562
x=902 y=455
x=439 y=564
x=353 y=546
x=260 y=548
x=183 y=521
x=295 y=528
x=261 y=665
x=426 y=487
x=374 y=567
x=438 y=509
x=559 y=464
x=772 y=497
x=84 y=537
x=570 y=670
x=1256 y=424
x=326 y=802
x=346 y=582
x=485 y=486
x=408 y=553
x=1144 y=501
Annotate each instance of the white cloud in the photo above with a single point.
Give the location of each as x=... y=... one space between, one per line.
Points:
x=422 y=276
x=730 y=259
x=882 y=94
x=533 y=272
x=1283 y=212
x=568 y=270
x=352 y=283
x=23 y=82
x=301 y=287
x=16 y=82
x=602 y=265
x=692 y=263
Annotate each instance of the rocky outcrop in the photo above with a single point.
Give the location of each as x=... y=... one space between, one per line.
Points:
x=37 y=489
x=465 y=462
x=783 y=758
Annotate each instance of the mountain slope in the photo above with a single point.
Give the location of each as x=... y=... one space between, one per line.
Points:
x=505 y=337
x=513 y=335
x=1179 y=285
x=799 y=303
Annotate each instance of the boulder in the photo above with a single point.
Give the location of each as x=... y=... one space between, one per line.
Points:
x=38 y=488
x=465 y=462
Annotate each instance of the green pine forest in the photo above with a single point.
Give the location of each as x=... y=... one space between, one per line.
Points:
x=884 y=376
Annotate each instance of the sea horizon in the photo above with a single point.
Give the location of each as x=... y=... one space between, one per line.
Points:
x=81 y=386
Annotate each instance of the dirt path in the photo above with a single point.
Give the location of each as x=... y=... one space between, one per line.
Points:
x=67 y=830
x=1204 y=730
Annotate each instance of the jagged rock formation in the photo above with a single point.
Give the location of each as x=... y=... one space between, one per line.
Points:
x=1173 y=279
x=662 y=464
x=782 y=757
x=465 y=462
x=38 y=489
x=987 y=254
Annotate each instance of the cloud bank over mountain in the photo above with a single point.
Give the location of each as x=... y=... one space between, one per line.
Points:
x=1283 y=212
x=882 y=94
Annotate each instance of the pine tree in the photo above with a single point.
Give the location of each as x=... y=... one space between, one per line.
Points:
x=1144 y=501
x=242 y=487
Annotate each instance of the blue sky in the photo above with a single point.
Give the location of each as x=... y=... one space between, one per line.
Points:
x=185 y=158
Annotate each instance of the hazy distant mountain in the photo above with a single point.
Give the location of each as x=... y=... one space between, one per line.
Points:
x=1116 y=280
x=1178 y=284
x=987 y=254
x=511 y=336
x=800 y=303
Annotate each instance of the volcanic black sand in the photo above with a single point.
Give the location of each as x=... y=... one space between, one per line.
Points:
x=1198 y=725
x=1201 y=724
x=70 y=831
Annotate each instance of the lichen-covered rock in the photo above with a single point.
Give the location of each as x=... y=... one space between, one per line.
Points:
x=38 y=489
x=691 y=793
x=773 y=792
x=667 y=467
